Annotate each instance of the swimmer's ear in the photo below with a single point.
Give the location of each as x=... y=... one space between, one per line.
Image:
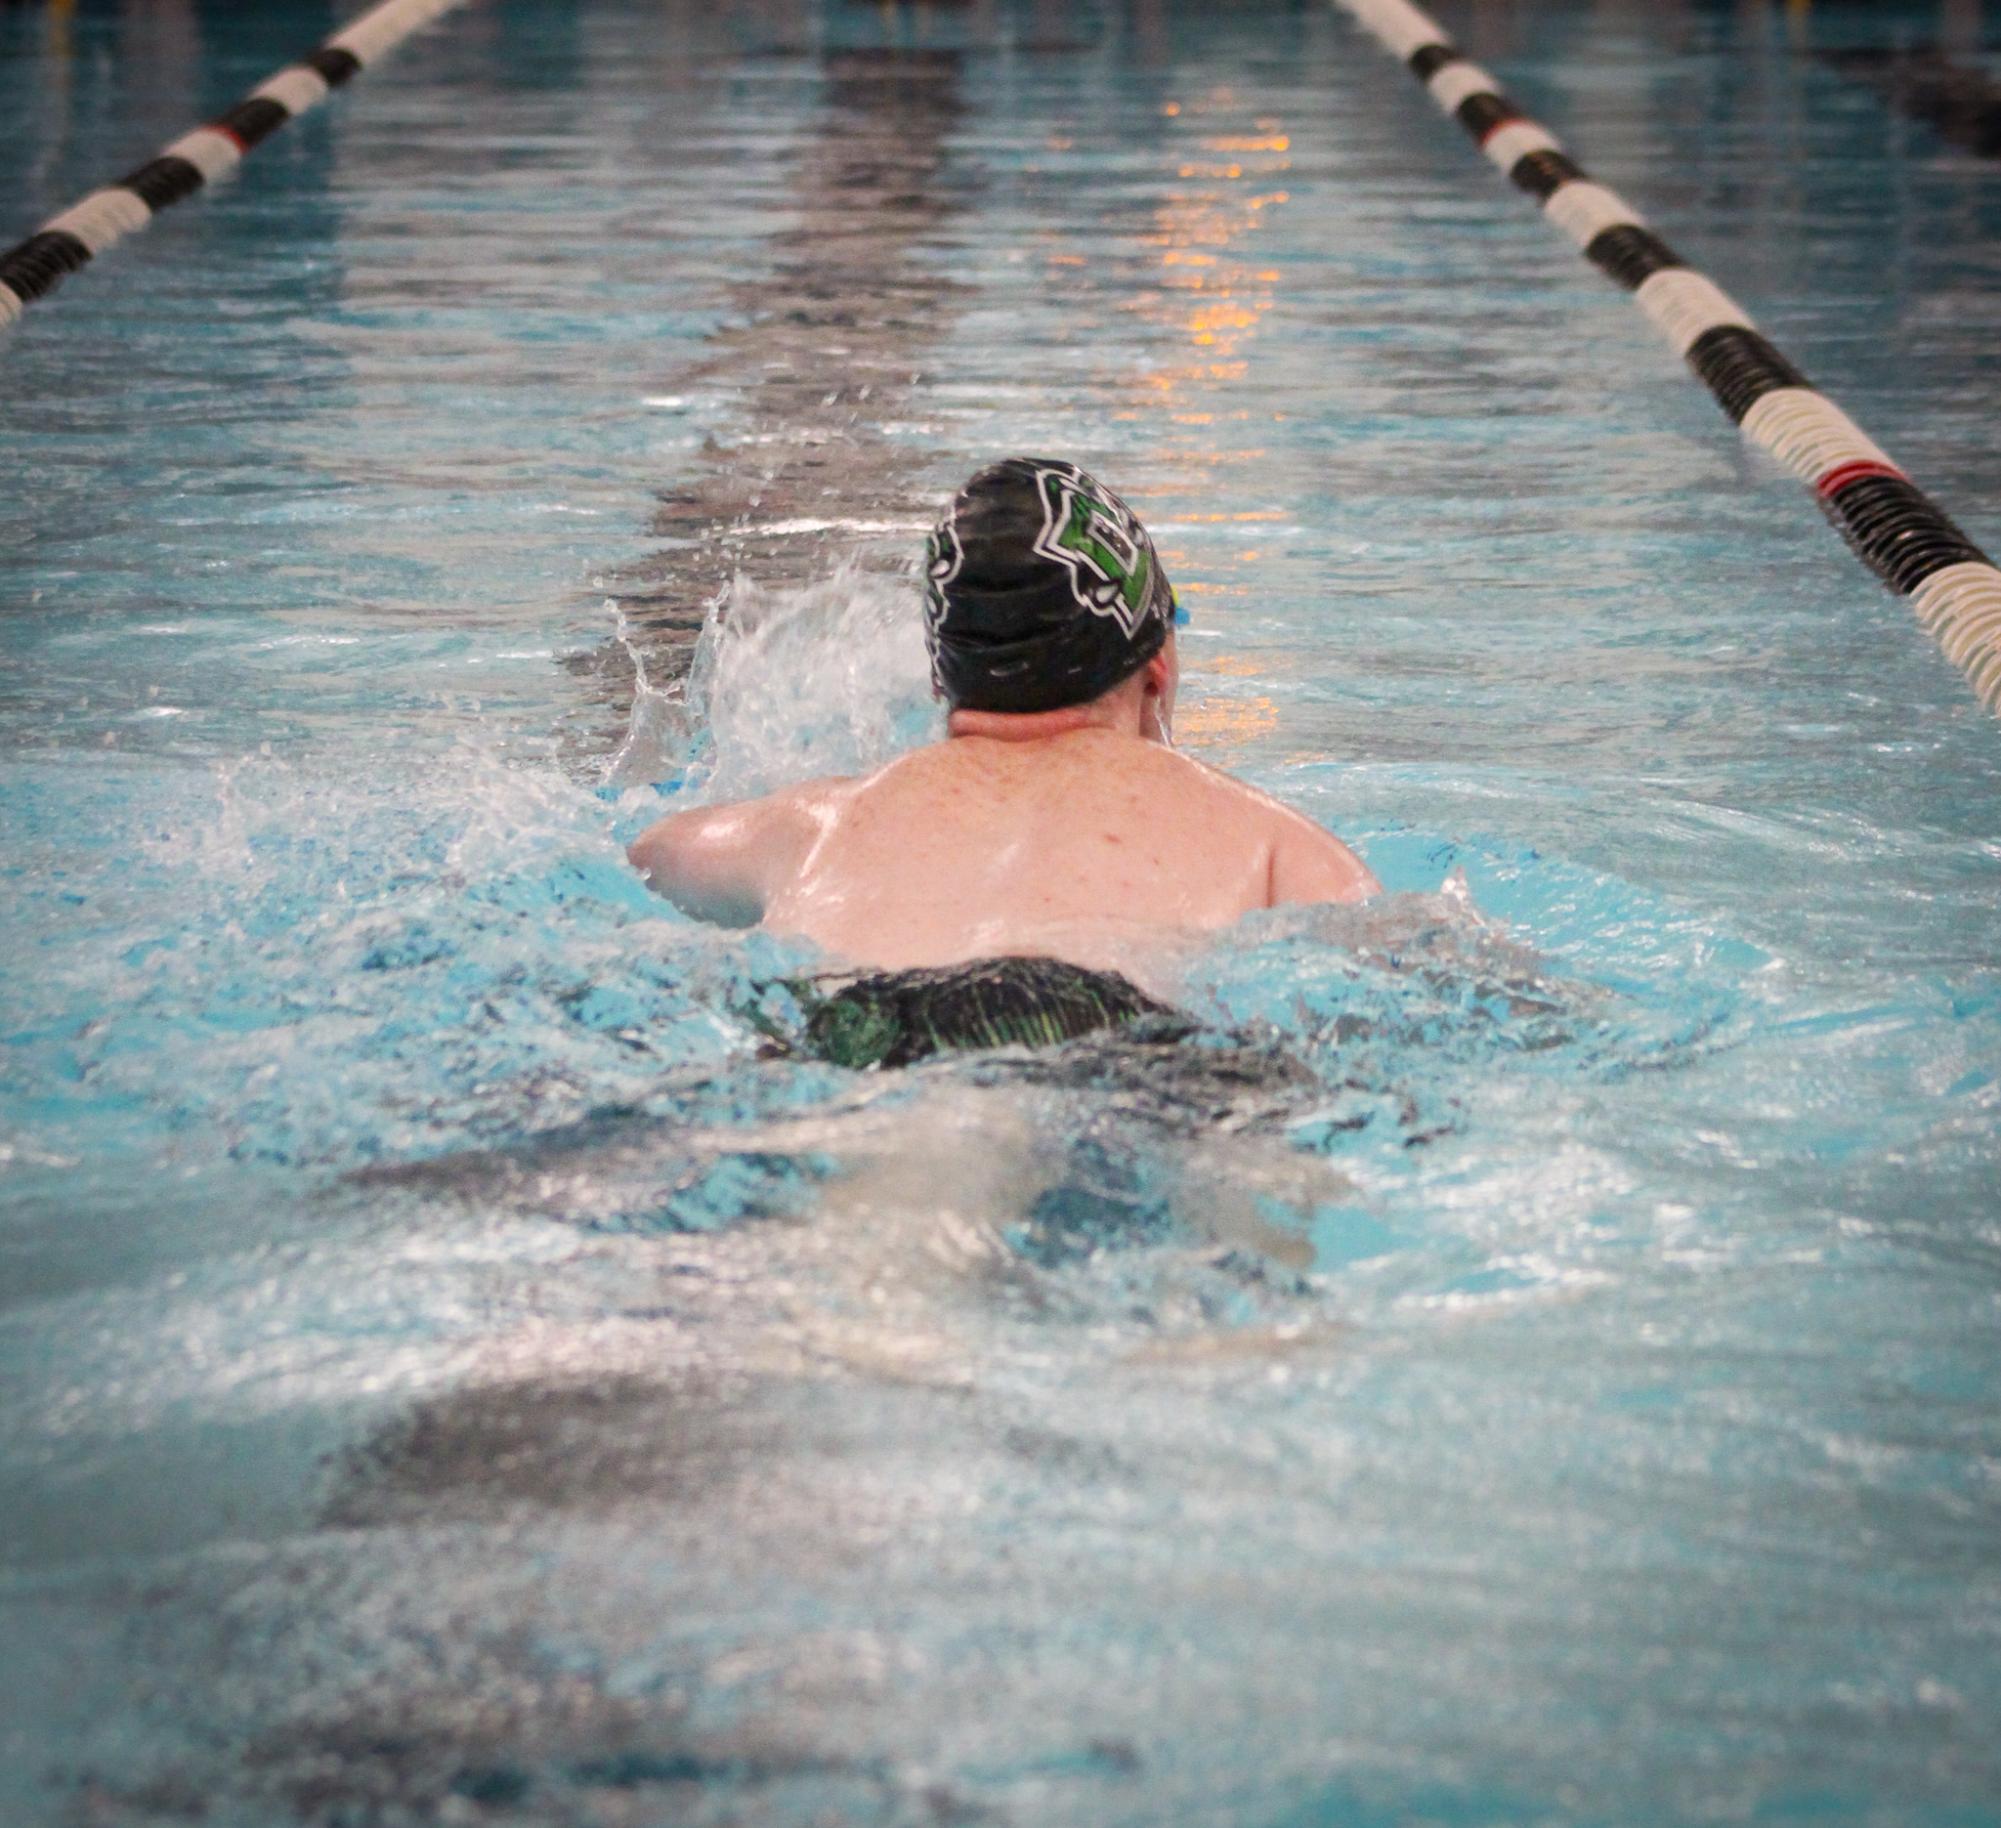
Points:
x=1156 y=700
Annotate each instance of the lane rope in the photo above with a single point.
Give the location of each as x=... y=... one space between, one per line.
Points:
x=1891 y=524
x=35 y=267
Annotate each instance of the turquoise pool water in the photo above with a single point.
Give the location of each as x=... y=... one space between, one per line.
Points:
x=446 y=1374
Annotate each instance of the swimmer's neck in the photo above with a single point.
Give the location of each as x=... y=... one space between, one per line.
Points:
x=1141 y=705
x=1123 y=719
x=1030 y=726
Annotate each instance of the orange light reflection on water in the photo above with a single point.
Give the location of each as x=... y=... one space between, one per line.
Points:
x=1219 y=721
x=1212 y=297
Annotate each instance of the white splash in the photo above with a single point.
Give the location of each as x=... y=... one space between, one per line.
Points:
x=658 y=732
x=789 y=683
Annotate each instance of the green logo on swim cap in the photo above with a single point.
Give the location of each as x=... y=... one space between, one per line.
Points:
x=1093 y=534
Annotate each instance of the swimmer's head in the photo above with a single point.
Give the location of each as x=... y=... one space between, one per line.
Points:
x=1041 y=590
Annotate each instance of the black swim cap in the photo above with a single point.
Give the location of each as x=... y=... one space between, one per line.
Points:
x=1041 y=590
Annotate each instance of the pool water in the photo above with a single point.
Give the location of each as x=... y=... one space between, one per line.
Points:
x=1534 y=1359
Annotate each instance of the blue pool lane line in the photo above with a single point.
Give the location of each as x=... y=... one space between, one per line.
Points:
x=1893 y=526
x=35 y=267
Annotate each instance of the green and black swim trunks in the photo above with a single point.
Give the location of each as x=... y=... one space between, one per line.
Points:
x=892 y=1018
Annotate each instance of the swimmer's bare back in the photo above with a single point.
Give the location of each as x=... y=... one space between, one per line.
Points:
x=978 y=846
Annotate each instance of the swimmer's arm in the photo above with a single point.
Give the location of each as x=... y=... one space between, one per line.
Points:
x=722 y=863
x=1311 y=864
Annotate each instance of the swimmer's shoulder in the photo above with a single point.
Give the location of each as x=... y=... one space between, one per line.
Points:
x=1307 y=861
x=813 y=799
x=796 y=818
x=1184 y=772
x=725 y=861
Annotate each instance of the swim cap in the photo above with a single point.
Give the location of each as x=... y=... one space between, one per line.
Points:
x=1041 y=590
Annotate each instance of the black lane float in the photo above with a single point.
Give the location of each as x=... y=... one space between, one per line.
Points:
x=1892 y=525
x=35 y=267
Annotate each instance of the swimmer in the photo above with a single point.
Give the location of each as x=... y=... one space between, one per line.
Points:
x=1055 y=822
